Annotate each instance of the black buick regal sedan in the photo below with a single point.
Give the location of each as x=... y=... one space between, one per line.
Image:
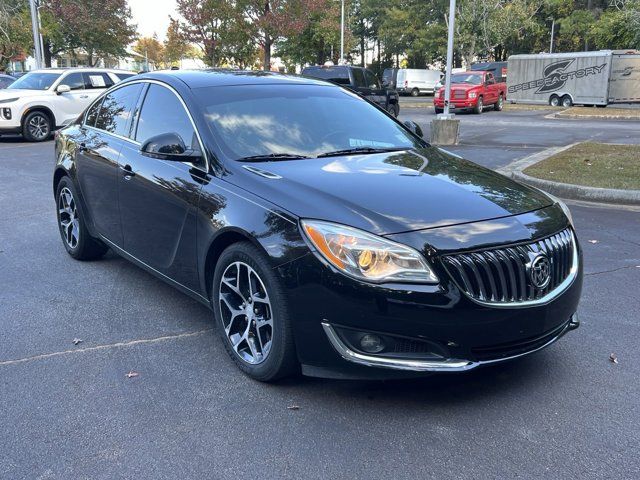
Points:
x=325 y=236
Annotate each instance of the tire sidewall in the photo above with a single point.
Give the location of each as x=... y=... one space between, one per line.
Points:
x=84 y=234
x=281 y=358
x=554 y=101
x=25 y=127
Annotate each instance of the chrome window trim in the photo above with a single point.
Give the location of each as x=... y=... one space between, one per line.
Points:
x=135 y=142
x=549 y=297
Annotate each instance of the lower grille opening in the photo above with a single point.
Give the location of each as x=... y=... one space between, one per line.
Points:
x=505 y=350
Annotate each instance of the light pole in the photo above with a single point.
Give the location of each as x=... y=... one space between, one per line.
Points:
x=553 y=28
x=447 y=81
x=35 y=26
x=342 y=34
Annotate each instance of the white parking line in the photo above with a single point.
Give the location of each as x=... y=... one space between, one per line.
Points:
x=103 y=347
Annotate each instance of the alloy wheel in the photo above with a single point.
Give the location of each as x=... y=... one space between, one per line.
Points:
x=68 y=215
x=38 y=127
x=246 y=313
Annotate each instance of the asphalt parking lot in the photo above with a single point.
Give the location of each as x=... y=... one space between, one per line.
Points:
x=70 y=411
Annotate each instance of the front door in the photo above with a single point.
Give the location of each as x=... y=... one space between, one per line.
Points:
x=158 y=198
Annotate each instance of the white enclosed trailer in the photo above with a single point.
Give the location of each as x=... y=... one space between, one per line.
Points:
x=584 y=78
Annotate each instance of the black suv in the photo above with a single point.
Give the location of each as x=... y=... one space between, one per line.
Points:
x=361 y=80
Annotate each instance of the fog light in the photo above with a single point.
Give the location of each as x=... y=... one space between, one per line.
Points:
x=7 y=113
x=371 y=343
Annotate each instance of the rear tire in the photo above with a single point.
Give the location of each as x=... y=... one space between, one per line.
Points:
x=438 y=110
x=566 y=101
x=36 y=127
x=71 y=224
x=415 y=92
x=499 y=104
x=251 y=314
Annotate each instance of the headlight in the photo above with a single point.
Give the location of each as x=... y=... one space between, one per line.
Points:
x=365 y=256
x=562 y=205
x=473 y=95
x=9 y=100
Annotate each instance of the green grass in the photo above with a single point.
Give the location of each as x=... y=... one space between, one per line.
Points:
x=603 y=112
x=593 y=165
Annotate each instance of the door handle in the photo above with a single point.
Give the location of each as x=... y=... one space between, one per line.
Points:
x=84 y=96
x=128 y=172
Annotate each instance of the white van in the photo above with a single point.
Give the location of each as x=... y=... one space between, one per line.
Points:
x=414 y=81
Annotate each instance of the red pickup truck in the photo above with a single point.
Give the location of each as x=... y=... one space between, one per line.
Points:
x=472 y=90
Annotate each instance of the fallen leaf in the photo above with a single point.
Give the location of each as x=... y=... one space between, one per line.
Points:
x=593 y=241
x=613 y=358
x=293 y=407
x=76 y=341
x=132 y=374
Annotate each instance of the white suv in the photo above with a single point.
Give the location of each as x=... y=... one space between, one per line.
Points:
x=43 y=100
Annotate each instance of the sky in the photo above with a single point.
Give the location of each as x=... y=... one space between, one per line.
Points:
x=152 y=16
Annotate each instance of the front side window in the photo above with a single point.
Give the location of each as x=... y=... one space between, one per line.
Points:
x=93 y=80
x=358 y=77
x=371 y=79
x=117 y=109
x=35 y=81
x=304 y=120
x=490 y=80
x=162 y=113
x=74 y=81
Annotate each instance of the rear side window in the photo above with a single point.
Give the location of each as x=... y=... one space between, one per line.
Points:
x=333 y=74
x=358 y=77
x=74 y=81
x=94 y=80
x=161 y=113
x=117 y=109
x=124 y=76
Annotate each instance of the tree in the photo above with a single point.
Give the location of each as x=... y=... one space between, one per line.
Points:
x=14 y=30
x=176 y=46
x=151 y=49
x=101 y=28
x=271 y=20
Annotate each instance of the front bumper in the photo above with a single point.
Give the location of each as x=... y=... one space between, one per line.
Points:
x=465 y=104
x=463 y=333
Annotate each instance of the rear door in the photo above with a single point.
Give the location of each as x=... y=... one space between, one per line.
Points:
x=105 y=130
x=158 y=198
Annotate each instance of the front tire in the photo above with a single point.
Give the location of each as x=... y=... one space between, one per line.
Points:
x=36 y=127
x=251 y=314
x=394 y=109
x=72 y=225
x=415 y=92
x=479 y=106
x=554 y=101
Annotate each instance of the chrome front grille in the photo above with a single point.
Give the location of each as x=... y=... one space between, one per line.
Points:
x=458 y=94
x=504 y=275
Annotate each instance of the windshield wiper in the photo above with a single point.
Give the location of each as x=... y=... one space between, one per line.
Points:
x=272 y=156
x=348 y=151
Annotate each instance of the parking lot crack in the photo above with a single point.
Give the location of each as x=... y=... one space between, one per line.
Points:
x=130 y=343
x=610 y=271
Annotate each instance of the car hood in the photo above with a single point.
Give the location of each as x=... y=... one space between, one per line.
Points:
x=19 y=93
x=388 y=192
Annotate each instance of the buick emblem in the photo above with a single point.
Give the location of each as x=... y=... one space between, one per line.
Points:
x=540 y=271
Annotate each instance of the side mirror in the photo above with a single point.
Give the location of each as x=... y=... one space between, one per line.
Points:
x=60 y=89
x=414 y=127
x=169 y=146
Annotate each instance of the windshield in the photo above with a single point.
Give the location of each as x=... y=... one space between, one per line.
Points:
x=472 y=78
x=297 y=120
x=35 y=81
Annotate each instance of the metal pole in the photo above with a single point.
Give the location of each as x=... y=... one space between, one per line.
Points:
x=553 y=28
x=35 y=26
x=447 y=82
x=342 y=34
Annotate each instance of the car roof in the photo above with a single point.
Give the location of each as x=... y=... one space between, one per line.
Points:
x=79 y=69
x=219 y=77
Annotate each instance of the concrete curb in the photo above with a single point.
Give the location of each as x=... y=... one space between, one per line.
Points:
x=566 y=190
x=597 y=117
